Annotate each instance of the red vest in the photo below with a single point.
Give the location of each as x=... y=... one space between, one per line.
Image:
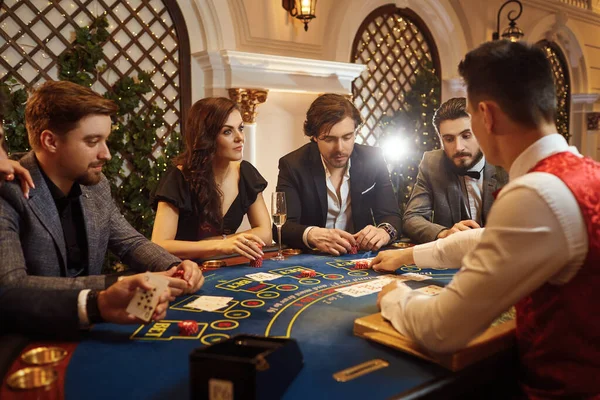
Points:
x=558 y=326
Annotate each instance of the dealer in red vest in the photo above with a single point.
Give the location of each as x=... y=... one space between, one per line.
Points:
x=540 y=249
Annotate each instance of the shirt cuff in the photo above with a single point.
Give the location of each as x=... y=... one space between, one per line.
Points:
x=423 y=255
x=84 y=321
x=305 y=236
x=391 y=306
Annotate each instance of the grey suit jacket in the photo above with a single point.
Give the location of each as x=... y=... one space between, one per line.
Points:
x=437 y=200
x=32 y=245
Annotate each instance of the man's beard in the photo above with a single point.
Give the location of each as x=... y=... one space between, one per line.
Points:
x=90 y=178
x=465 y=166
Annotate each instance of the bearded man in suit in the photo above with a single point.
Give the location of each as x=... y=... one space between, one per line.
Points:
x=455 y=184
x=57 y=236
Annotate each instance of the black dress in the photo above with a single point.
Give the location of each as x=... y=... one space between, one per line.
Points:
x=174 y=189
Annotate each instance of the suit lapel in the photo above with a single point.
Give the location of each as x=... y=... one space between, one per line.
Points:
x=357 y=179
x=455 y=198
x=489 y=186
x=42 y=205
x=91 y=225
x=454 y=191
x=318 y=174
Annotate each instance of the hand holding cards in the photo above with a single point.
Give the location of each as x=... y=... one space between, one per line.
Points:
x=144 y=302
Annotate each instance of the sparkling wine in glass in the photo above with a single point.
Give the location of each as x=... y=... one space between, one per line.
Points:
x=279 y=213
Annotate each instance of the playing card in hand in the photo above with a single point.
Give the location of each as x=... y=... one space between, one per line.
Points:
x=144 y=302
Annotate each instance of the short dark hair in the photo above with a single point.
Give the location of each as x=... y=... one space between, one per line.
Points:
x=326 y=111
x=517 y=76
x=452 y=109
x=59 y=105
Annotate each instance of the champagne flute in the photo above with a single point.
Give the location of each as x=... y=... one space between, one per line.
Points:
x=279 y=213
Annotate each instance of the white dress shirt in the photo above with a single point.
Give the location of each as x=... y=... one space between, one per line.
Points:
x=339 y=209
x=535 y=234
x=474 y=188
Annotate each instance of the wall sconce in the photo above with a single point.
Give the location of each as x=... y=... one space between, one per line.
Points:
x=513 y=32
x=304 y=10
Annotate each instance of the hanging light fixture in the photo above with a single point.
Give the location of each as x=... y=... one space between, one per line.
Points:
x=513 y=32
x=304 y=10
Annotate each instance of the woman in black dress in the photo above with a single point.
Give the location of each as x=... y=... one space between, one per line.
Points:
x=202 y=199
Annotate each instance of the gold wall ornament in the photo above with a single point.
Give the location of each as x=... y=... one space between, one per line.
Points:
x=248 y=99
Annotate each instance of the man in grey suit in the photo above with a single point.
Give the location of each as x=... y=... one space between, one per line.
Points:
x=455 y=185
x=57 y=238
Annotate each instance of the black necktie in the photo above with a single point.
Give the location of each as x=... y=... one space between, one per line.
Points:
x=473 y=174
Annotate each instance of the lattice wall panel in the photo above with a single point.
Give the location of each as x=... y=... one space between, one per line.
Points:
x=33 y=33
x=560 y=72
x=392 y=46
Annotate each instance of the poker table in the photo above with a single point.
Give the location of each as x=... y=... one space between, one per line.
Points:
x=152 y=361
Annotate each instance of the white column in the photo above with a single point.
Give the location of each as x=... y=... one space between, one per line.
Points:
x=250 y=143
x=585 y=140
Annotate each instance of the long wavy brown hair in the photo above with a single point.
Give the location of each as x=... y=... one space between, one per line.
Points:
x=203 y=124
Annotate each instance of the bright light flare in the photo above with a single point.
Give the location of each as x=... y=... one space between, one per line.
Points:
x=394 y=148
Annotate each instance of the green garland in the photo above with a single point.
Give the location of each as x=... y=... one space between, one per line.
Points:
x=133 y=136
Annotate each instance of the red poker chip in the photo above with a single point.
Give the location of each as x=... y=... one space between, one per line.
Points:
x=353 y=250
x=256 y=263
x=361 y=265
x=308 y=274
x=179 y=274
x=188 y=328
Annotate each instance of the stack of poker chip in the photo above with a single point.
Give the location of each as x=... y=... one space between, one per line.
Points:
x=257 y=263
x=354 y=250
x=179 y=274
x=188 y=328
x=307 y=273
x=362 y=264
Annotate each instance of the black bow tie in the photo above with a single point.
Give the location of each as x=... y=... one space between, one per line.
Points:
x=472 y=174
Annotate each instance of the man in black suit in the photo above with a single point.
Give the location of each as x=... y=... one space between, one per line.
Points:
x=338 y=193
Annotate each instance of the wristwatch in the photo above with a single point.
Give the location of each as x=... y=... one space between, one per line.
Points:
x=93 y=311
x=390 y=231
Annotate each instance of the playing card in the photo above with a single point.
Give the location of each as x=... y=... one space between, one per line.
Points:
x=209 y=303
x=365 y=288
x=144 y=302
x=431 y=290
x=411 y=276
x=263 y=276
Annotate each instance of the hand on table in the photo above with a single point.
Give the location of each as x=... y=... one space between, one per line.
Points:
x=191 y=282
x=113 y=301
x=459 y=226
x=391 y=260
x=245 y=244
x=371 y=238
x=385 y=290
x=332 y=241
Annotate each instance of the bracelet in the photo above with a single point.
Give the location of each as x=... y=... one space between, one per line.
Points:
x=390 y=230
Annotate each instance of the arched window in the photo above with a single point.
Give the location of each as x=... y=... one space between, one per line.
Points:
x=145 y=35
x=560 y=72
x=393 y=43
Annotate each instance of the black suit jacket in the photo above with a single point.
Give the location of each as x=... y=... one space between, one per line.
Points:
x=38 y=312
x=302 y=178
